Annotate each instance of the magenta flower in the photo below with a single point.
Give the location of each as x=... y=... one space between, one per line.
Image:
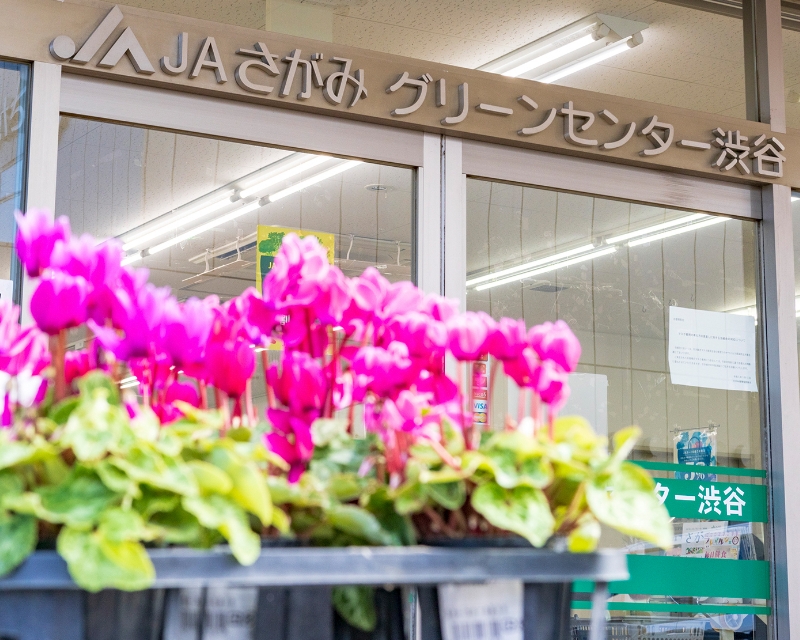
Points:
x=186 y=329
x=291 y=440
x=37 y=234
x=299 y=383
x=59 y=302
x=556 y=342
x=230 y=363
x=20 y=349
x=521 y=368
x=550 y=382
x=78 y=364
x=469 y=334
x=508 y=340
x=381 y=371
x=424 y=336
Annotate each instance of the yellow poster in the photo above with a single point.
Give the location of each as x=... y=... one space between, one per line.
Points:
x=269 y=240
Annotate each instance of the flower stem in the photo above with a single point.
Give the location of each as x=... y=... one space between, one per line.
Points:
x=58 y=349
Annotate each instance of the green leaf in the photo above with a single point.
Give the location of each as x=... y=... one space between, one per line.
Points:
x=97 y=427
x=146 y=425
x=177 y=526
x=410 y=498
x=281 y=521
x=96 y=563
x=116 y=479
x=359 y=523
x=95 y=381
x=10 y=485
x=78 y=502
x=451 y=495
x=624 y=442
x=61 y=411
x=345 y=486
x=153 y=501
x=356 y=605
x=119 y=525
x=17 y=540
x=14 y=453
x=585 y=537
x=249 y=484
x=222 y=514
x=145 y=465
x=626 y=500
x=210 y=478
x=522 y=510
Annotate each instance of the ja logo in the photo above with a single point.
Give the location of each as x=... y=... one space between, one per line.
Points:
x=63 y=47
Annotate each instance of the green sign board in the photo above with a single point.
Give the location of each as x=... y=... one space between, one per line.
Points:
x=705 y=500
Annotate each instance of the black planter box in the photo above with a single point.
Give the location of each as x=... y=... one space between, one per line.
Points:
x=39 y=601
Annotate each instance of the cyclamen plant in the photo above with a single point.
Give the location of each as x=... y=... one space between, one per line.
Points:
x=367 y=435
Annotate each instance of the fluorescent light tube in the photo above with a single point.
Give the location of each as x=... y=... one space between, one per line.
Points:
x=530 y=265
x=556 y=53
x=261 y=185
x=247 y=208
x=675 y=232
x=128 y=379
x=129 y=385
x=134 y=257
x=201 y=212
x=604 y=54
x=657 y=227
x=550 y=267
x=323 y=175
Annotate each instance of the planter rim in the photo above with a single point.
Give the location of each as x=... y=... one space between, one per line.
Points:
x=182 y=567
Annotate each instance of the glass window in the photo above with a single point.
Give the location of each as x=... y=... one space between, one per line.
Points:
x=13 y=145
x=206 y=216
x=658 y=298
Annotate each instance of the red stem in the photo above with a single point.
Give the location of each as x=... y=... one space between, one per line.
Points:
x=267 y=389
x=58 y=348
x=248 y=403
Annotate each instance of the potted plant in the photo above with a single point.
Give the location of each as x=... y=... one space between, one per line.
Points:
x=149 y=436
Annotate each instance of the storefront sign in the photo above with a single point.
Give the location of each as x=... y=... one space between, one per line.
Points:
x=704 y=500
x=712 y=349
x=279 y=70
x=491 y=611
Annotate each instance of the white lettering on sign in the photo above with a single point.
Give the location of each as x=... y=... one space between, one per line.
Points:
x=711 y=349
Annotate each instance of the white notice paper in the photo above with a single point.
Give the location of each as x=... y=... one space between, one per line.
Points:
x=490 y=611
x=712 y=349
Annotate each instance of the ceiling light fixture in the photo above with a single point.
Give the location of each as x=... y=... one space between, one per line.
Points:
x=186 y=235
x=550 y=267
x=247 y=207
x=580 y=44
x=567 y=258
x=656 y=228
x=675 y=232
x=323 y=175
x=531 y=265
x=304 y=164
x=609 y=51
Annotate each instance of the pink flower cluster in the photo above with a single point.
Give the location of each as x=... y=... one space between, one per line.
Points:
x=344 y=343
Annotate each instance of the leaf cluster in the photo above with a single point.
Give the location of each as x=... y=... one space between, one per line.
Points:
x=104 y=485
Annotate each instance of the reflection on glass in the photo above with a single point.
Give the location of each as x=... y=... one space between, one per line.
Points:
x=205 y=216
x=617 y=273
x=13 y=138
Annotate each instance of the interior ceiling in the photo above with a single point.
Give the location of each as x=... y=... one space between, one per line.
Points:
x=690 y=58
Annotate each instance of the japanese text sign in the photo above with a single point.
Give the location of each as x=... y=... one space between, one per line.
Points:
x=704 y=500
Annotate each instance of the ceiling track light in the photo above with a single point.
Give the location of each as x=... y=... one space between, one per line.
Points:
x=579 y=45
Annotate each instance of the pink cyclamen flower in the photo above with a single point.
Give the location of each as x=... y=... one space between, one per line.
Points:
x=37 y=234
x=550 y=382
x=59 y=302
x=78 y=364
x=556 y=342
x=20 y=349
x=299 y=383
x=230 y=363
x=469 y=334
x=291 y=439
x=381 y=370
x=508 y=340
